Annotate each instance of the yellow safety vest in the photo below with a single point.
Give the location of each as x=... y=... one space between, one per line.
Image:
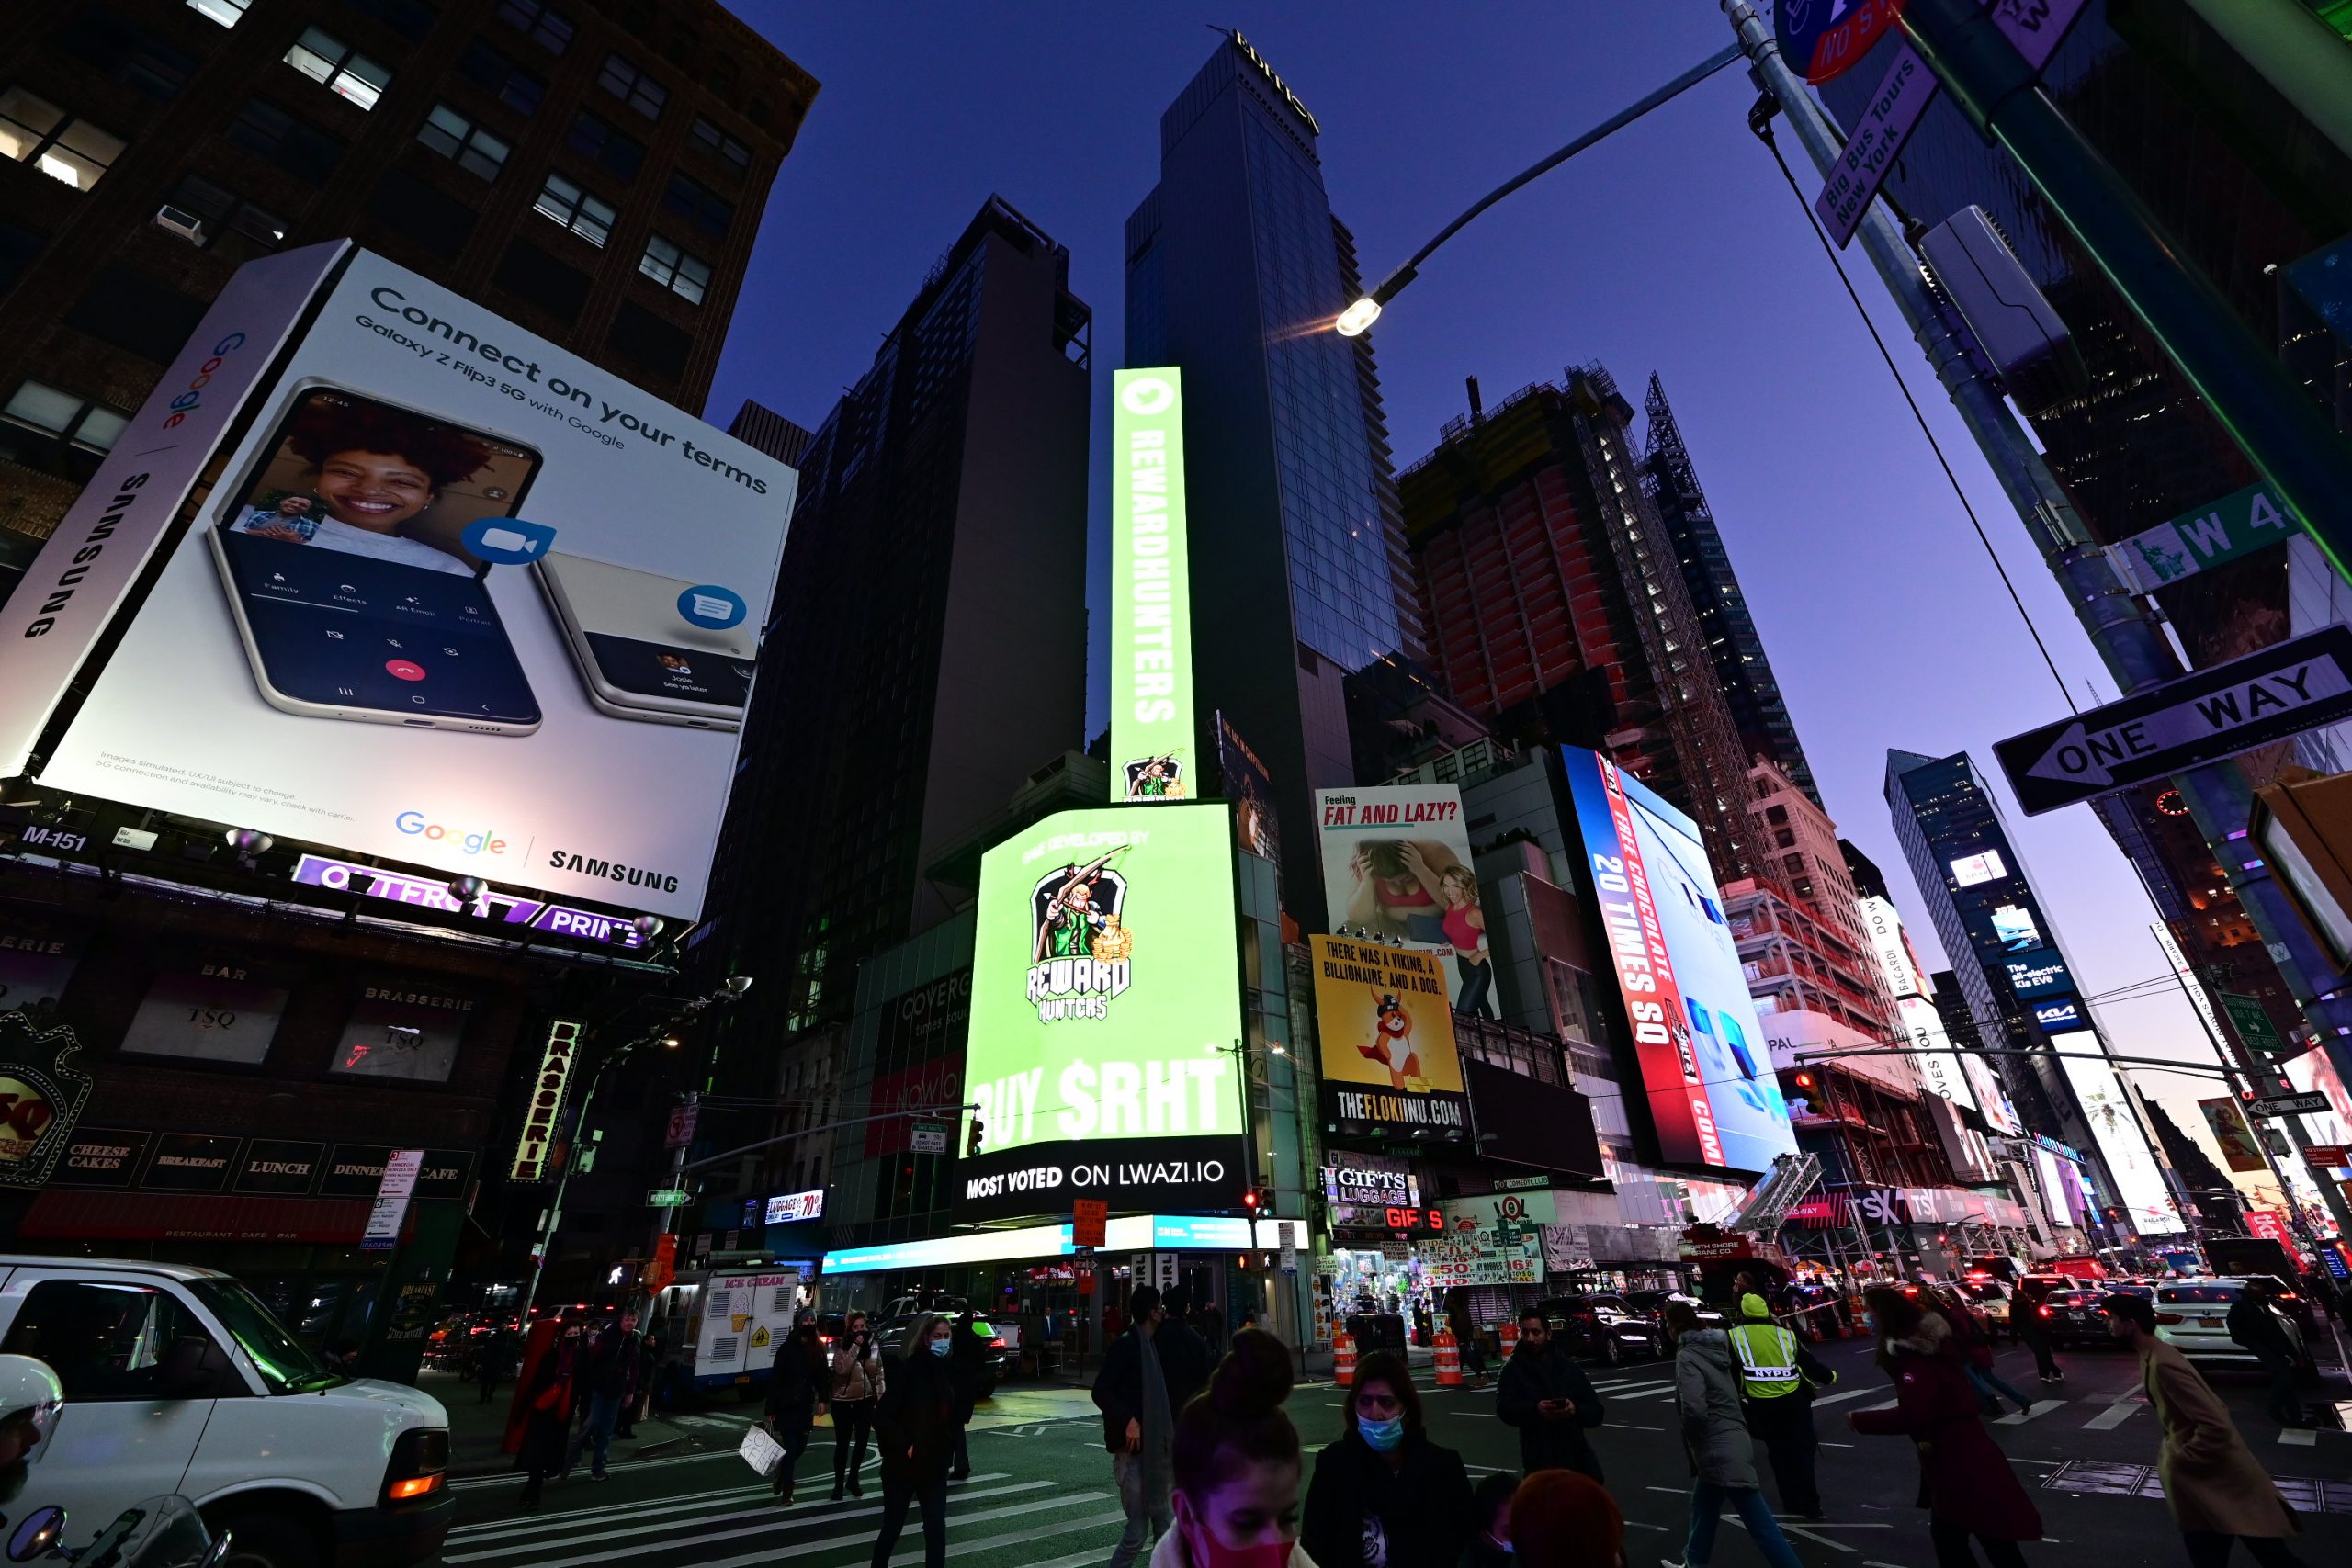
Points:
x=1767 y=1360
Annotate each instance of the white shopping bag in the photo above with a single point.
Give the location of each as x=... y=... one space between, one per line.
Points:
x=760 y=1451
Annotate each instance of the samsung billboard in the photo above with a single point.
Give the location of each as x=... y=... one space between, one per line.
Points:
x=1705 y=1069
x=455 y=597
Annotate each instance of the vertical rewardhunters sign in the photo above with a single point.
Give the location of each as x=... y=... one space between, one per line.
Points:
x=1151 y=600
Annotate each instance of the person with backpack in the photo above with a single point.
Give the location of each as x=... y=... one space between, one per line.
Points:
x=2256 y=1326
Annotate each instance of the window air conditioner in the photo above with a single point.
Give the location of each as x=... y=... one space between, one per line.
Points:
x=187 y=225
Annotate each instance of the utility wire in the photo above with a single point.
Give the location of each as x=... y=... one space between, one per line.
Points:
x=1760 y=121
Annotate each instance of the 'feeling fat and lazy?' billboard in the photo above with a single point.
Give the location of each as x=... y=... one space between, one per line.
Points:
x=1705 y=1070
x=1106 y=1002
x=455 y=597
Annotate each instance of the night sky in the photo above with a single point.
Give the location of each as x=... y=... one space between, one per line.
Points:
x=1675 y=247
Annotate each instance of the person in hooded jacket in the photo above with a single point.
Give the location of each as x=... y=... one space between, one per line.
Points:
x=1549 y=1399
x=914 y=1427
x=1715 y=1435
x=1384 y=1495
x=797 y=1389
x=1965 y=1480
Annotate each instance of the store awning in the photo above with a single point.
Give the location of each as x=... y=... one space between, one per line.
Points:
x=149 y=1217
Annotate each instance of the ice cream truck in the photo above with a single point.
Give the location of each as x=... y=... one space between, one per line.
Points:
x=741 y=1316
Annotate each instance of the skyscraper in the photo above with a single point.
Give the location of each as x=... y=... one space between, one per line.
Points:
x=592 y=171
x=929 y=648
x=1742 y=668
x=2022 y=989
x=1557 y=611
x=1236 y=269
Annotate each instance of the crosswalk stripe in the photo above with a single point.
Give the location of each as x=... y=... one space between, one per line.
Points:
x=775 y=1519
x=2297 y=1437
x=2038 y=1408
x=989 y=1543
x=1849 y=1394
x=668 y=1510
x=865 y=1539
x=2114 y=1416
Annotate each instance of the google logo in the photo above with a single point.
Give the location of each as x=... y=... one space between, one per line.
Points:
x=485 y=842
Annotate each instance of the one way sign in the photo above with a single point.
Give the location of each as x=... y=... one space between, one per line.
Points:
x=2201 y=717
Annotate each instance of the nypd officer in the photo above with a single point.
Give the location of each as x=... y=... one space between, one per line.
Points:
x=1777 y=1378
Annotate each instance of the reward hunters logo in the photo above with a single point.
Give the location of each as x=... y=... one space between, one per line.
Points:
x=1082 y=952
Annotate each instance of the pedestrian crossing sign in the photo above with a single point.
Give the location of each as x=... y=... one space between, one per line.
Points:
x=760 y=1338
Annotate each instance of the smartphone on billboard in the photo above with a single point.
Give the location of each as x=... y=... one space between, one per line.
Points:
x=340 y=551
x=639 y=655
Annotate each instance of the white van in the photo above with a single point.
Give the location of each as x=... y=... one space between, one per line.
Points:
x=179 y=1380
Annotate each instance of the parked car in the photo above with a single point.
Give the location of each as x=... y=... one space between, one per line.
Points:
x=2075 y=1317
x=179 y=1380
x=2194 y=1316
x=891 y=1338
x=1990 y=1298
x=1652 y=1303
x=1605 y=1327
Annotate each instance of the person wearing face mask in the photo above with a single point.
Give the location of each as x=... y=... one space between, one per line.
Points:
x=914 y=1427
x=1236 y=1467
x=1490 y=1543
x=1384 y=1495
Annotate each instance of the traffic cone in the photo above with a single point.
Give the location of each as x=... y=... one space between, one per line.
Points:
x=1343 y=1361
x=1510 y=1332
x=1449 y=1360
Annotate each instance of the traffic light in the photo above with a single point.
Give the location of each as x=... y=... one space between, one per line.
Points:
x=1251 y=1200
x=972 y=1139
x=1804 y=1080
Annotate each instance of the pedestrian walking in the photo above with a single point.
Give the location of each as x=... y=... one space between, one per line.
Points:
x=490 y=1363
x=2219 y=1492
x=858 y=1383
x=1966 y=1484
x=1236 y=1467
x=796 y=1386
x=632 y=1354
x=914 y=1427
x=1975 y=1349
x=1490 y=1543
x=2030 y=1319
x=1465 y=1330
x=546 y=1399
x=1139 y=1413
x=1549 y=1399
x=601 y=1382
x=1384 y=1496
x=1714 y=1437
x=1560 y=1519
x=967 y=1362
x=1209 y=1323
x=1777 y=1378
x=2257 y=1326
x=1184 y=1353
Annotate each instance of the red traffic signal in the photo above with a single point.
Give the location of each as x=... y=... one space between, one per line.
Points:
x=1251 y=1199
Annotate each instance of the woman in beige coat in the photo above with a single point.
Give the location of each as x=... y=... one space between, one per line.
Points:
x=2218 y=1490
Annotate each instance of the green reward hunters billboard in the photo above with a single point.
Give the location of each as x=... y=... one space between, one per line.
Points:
x=1151 y=603
x=1106 y=998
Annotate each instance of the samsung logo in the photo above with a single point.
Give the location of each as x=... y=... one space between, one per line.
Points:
x=612 y=871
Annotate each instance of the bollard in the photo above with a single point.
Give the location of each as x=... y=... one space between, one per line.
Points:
x=1449 y=1360
x=1343 y=1361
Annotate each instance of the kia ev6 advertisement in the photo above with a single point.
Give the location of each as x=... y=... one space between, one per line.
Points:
x=453 y=597
x=1704 y=1065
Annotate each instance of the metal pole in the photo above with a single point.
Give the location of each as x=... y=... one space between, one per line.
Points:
x=2127 y=641
x=2281 y=430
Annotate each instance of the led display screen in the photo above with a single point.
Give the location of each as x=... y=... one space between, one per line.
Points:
x=1151 y=613
x=1713 y=1094
x=1105 y=1006
x=2116 y=1129
x=1388 y=1057
x=1970 y=870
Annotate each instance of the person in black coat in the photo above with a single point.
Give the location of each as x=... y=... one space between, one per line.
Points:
x=914 y=1427
x=1549 y=1399
x=797 y=1389
x=966 y=1363
x=1186 y=1357
x=1384 y=1496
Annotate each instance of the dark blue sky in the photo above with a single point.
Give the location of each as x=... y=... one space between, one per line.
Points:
x=1675 y=247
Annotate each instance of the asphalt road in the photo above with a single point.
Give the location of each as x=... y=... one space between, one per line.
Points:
x=1041 y=1496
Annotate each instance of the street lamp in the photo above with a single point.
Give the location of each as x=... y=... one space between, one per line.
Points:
x=1356 y=318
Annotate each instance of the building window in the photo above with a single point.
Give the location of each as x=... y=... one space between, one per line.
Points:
x=531 y=274
x=136 y=313
x=126 y=52
x=654 y=344
x=341 y=69
x=686 y=276
x=47 y=428
x=633 y=87
x=704 y=206
x=34 y=131
x=497 y=73
x=599 y=139
x=410 y=18
x=577 y=210
x=219 y=214
x=709 y=138
x=432 y=219
x=455 y=137
x=261 y=127
x=228 y=13
x=543 y=25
